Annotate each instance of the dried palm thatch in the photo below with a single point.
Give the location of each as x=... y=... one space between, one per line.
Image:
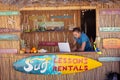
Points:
x=23 y=3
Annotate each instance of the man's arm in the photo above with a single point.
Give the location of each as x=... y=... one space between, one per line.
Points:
x=74 y=46
x=82 y=48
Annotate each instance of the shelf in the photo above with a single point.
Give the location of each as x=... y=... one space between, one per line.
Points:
x=48 y=53
x=48 y=31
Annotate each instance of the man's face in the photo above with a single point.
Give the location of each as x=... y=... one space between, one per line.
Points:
x=76 y=34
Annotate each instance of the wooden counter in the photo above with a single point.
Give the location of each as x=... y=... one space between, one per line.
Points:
x=8 y=73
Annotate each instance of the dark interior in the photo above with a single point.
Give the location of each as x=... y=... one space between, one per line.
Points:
x=88 y=23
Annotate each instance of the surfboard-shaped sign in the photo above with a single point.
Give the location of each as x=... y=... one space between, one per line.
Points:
x=55 y=64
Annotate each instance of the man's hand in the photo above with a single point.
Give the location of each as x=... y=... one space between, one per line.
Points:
x=82 y=48
x=74 y=48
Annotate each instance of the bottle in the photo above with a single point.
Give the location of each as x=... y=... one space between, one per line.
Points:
x=97 y=41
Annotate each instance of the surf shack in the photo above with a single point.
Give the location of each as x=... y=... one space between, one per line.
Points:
x=31 y=30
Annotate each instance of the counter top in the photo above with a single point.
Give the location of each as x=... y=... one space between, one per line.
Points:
x=93 y=55
x=72 y=53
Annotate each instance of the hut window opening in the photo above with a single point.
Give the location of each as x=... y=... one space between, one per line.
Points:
x=88 y=23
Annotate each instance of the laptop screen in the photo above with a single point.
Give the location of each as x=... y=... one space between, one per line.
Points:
x=64 y=47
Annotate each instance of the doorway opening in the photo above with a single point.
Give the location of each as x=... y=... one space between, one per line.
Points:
x=88 y=23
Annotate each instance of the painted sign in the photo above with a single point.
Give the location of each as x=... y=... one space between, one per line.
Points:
x=111 y=43
x=52 y=24
x=45 y=43
x=35 y=17
x=108 y=59
x=8 y=51
x=110 y=29
x=8 y=13
x=60 y=17
x=8 y=37
x=55 y=64
x=8 y=30
x=110 y=12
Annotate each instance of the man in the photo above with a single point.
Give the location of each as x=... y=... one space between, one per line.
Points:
x=82 y=40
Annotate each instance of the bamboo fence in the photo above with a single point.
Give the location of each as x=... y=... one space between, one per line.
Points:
x=8 y=73
x=10 y=22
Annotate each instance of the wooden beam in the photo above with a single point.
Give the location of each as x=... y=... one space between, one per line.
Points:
x=88 y=7
x=52 y=8
x=59 y=8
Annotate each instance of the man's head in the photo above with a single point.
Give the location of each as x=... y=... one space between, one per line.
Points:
x=76 y=32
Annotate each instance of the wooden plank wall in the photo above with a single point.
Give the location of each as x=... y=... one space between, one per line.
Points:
x=10 y=44
x=4 y=23
x=8 y=7
x=75 y=20
x=8 y=73
x=33 y=38
x=109 y=20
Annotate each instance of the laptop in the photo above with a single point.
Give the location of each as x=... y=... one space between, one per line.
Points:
x=64 y=47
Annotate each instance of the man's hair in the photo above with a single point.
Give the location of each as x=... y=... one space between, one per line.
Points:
x=76 y=29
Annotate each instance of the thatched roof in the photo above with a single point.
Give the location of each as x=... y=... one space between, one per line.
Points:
x=56 y=4
x=23 y=3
